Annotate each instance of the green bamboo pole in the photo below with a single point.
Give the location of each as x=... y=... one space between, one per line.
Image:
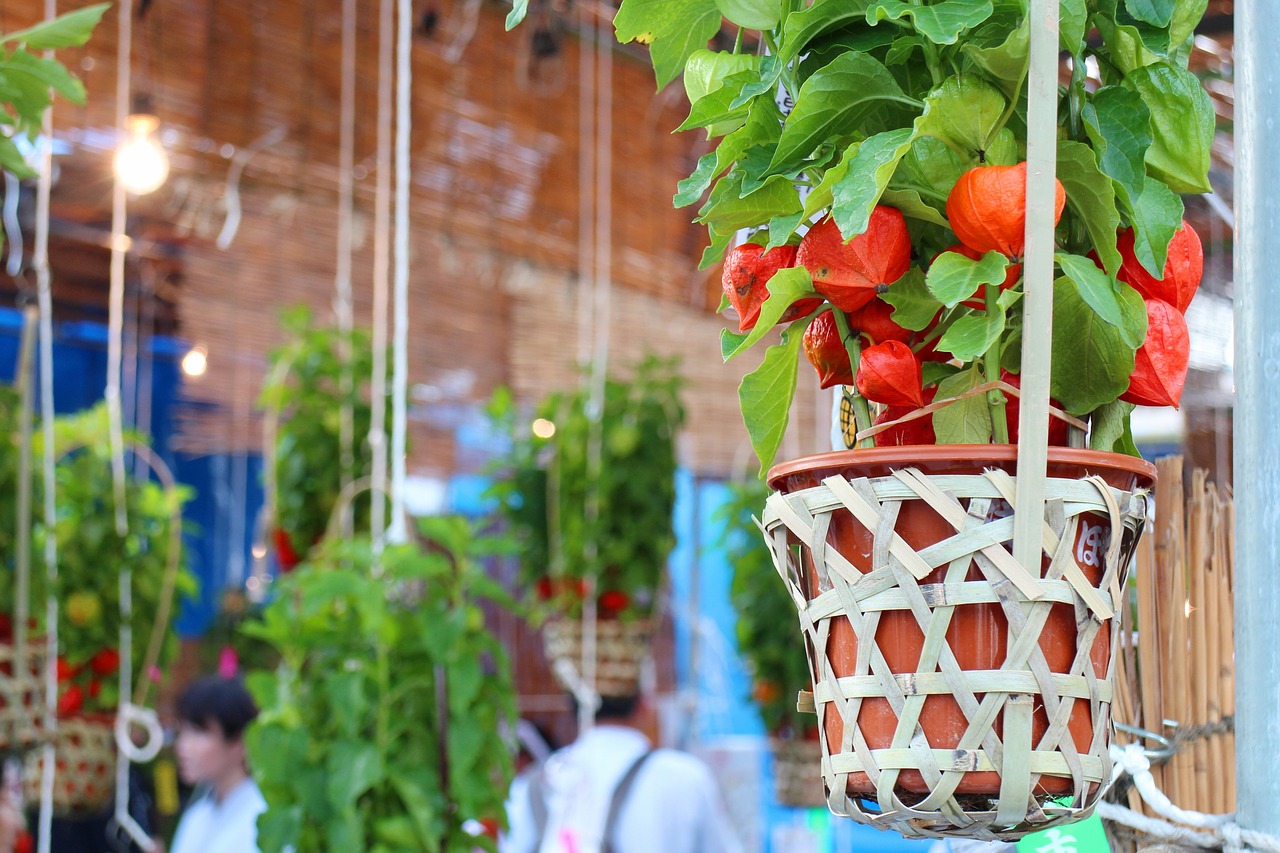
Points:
x=1037 y=310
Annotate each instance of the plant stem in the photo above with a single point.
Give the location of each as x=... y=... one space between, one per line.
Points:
x=737 y=42
x=861 y=411
x=1075 y=94
x=1008 y=112
x=991 y=367
x=930 y=53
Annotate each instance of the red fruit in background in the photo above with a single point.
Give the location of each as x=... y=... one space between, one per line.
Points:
x=95 y=688
x=747 y=270
x=65 y=670
x=105 y=662
x=614 y=601
x=848 y=274
x=1012 y=274
x=918 y=431
x=1160 y=365
x=285 y=555
x=826 y=352
x=987 y=208
x=889 y=373
x=24 y=842
x=544 y=588
x=71 y=701
x=1058 y=429
x=1183 y=268
x=874 y=321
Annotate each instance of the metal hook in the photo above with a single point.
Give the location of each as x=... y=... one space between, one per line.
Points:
x=1167 y=748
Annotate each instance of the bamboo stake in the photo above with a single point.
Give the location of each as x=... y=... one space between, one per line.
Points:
x=1149 y=658
x=1198 y=550
x=1213 y=649
x=1227 y=666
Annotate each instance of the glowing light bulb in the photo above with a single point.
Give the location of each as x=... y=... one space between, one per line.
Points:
x=195 y=362
x=141 y=163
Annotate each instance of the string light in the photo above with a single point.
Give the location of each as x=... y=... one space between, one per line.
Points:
x=141 y=163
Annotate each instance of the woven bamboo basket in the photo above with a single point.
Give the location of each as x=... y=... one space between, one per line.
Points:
x=84 y=767
x=21 y=696
x=959 y=693
x=621 y=649
x=793 y=777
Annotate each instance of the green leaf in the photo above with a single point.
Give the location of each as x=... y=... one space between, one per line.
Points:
x=972 y=335
x=1091 y=196
x=965 y=110
x=714 y=110
x=1186 y=14
x=673 y=29
x=966 y=421
x=1006 y=63
x=953 y=278
x=782 y=227
x=727 y=211
x=691 y=188
x=730 y=341
x=1119 y=125
x=914 y=207
x=1156 y=217
x=70 y=30
x=714 y=253
x=1124 y=45
x=824 y=16
x=857 y=193
x=1108 y=426
x=765 y=395
x=914 y=307
x=786 y=286
x=1158 y=13
x=1182 y=125
x=11 y=159
x=1098 y=289
x=354 y=767
x=933 y=372
x=834 y=101
x=706 y=71
x=931 y=169
x=752 y=14
x=941 y=23
x=519 y=8
x=1072 y=18
x=1091 y=361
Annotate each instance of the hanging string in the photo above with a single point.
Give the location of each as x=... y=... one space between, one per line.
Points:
x=21 y=604
x=381 y=278
x=342 y=279
x=44 y=299
x=400 y=379
x=119 y=245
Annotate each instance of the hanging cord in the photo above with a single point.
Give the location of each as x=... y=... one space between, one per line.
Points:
x=400 y=382
x=119 y=246
x=466 y=31
x=342 y=278
x=241 y=159
x=44 y=298
x=21 y=602
x=381 y=279
x=12 y=227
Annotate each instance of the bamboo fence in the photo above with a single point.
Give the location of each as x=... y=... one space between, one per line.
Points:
x=1177 y=662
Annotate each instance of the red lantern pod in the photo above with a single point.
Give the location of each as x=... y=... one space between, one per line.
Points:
x=745 y=279
x=987 y=208
x=1160 y=365
x=826 y=352
x=850 y=274
x=1183 y=268
x=890 y=373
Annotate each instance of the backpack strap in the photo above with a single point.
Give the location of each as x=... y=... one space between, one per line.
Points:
x=620 y=798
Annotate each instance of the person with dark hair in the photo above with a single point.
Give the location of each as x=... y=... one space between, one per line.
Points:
x=610 y=791
x=222 y=815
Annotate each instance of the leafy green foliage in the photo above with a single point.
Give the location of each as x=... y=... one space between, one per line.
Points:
x=379 y=729
x=575 y=520
x=766 y=628
x=308 y=399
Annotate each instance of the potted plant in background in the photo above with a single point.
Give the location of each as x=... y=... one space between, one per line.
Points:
x=887 y=206
x=766 y=633
x=377 y=729
x=595 y=526
x=312 y=377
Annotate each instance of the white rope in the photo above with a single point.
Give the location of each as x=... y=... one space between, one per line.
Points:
x=1180 y=826
x=342 y=278
x=400 y=380
x=119 y=246
x=40 y=262
x=381 y=278
x=232 y=197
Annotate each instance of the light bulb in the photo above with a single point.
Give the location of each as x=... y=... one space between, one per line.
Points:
x=543 y=428
x=195 y=362
x=141 y=163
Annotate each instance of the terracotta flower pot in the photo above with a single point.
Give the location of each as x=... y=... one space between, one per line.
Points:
x=977 y=635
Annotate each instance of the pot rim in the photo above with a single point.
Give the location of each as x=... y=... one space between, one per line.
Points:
x=979 y=454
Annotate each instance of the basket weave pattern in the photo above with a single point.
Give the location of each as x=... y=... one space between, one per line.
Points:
x=621 y=649
x=84 y=767
x=21 y=696
x=1013 y=765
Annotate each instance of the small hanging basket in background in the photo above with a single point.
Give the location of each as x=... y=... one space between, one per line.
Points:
x=84 y=767
x=959 y=693
x=22 y=702
x=621 y=649
x=793 y=778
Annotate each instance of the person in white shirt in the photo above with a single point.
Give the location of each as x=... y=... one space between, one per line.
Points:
x=610 y=791
x=222 y=816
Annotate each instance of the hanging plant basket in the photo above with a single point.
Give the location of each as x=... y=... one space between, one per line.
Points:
x=958 y=693
x=84 y=766
x=621 y=649
x=793 y=778
x=21 y=695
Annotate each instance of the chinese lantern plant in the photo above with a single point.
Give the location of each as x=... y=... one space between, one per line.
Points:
x=898 y=178
x=379 y=728
x=547 y=483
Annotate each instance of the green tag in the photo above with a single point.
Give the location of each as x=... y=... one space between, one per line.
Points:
x=1087 y=836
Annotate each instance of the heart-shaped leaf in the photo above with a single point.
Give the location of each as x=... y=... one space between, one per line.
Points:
x=765 y=396
x=953 y=278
